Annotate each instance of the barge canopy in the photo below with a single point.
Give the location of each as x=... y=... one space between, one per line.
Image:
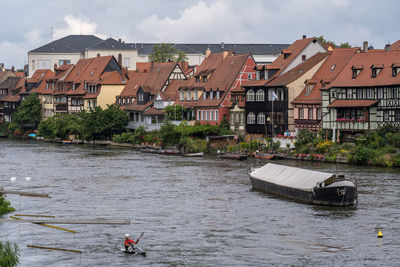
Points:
x=290 y=176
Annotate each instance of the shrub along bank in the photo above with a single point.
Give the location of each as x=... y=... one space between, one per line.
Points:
x=372 y=148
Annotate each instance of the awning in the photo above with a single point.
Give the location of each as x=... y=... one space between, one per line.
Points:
x=343 y=103
x=290 y=176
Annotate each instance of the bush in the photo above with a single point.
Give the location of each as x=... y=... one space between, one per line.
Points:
x=361 y=155
x=8 y=254
x=393 y=139
x=5 y=206
x=123 y=138
x=276 y=146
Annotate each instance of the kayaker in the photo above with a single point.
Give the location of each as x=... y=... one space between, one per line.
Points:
x=128 y=242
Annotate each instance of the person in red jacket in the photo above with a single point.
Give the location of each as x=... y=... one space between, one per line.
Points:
x=128 y=242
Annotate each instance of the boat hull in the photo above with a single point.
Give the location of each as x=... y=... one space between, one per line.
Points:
x=329 y=196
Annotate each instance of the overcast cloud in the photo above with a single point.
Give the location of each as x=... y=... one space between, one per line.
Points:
x=27 y=25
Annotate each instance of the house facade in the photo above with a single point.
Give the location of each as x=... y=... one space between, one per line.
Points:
x=365 y=95
x=308 y=104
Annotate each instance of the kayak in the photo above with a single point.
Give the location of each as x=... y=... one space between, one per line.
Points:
x=134 y=251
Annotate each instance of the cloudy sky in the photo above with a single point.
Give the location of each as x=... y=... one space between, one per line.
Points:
x=27 y=25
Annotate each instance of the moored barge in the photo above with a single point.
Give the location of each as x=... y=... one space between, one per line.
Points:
x=303 y=185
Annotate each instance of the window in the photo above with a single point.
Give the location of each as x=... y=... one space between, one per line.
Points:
x=310 y=114
x=249 y=76
x=85 y=86
x=333 y=67
x=370 y=93
x=40 y=64
x=395 y=70
x=261 y=118
x=260 y=95
x=204 y=78
x=127 y=62
x=202 y=115
x=250 y=95
x=198 y=115
x=236 y=117
x=207 y=115
x=182 y=95
x=270 y=94
x=89 y=104
x=189 y=95
x=386 y=115
x=47 y=64
x=395 y=92
x=349 y=93
x=195 y=95
x=217 y=94
x=397 y=115
x=303 y=57
x=211 y=94
x=64 y=62
x=141 y=97
x=380 y=93
x=359 y=93
x=251 y=118
x=197 y=79
x=204 y=94
x=211 y=115
x=319 y=113
x=232 y=120
x=216 y=115
x=258 y=75
x=301 y=113
x=373 y=73
x=241 y=118
x=33 y=64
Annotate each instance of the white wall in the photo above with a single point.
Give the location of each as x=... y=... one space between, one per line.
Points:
x=131 y=54
x=309 y=51
x=53 y=57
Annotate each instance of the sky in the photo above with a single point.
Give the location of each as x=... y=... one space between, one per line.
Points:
x=30 y=24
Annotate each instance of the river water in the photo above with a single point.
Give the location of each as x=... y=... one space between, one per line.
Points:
x=193 y=211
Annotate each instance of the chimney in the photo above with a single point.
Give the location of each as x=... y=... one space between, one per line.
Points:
x=222 y=45
x=120 y=40
x=208 y=52
x=304 y=36
x=225 y=54
x=13 y=69
x=387 y=47
x=365 y=46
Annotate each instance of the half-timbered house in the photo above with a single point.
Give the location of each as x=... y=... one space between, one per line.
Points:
x=365 y=95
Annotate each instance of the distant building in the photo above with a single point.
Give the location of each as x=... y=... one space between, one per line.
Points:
x=70 y=49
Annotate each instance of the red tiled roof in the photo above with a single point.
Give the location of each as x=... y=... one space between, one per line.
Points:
x=298 y=71
x=338 y=103
x=364 y=78
x=332 y=66
x=153 y=111
x=281 y=63
x=41 y=76
x=136 y=107
x=395 y=46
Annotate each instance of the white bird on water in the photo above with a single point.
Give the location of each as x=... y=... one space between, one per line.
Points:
x=13 y=179
x=27 y=178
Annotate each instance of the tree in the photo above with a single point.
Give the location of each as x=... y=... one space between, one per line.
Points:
x=174 y=113
x=8 y=254
x=115 y=120
x=29 y=113
x=166 y=53
x=323 y=41
x=345 y=45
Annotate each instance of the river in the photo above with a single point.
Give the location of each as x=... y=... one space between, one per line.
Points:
x=193 y=211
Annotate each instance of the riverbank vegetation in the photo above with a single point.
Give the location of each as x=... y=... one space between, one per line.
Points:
x=378 y=148
x=9 y=254
x=5 y=206
x=95 y=124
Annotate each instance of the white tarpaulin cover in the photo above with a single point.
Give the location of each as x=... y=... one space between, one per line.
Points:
x=290 y=176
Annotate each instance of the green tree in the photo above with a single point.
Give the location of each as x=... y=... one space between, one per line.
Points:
x=323 y=41
x=166 y=53
x=169 y=134
x=174 y=113
x=345 y=45
x=8 y=254
x=29 y=113
x=115 y=120
x=5 y=206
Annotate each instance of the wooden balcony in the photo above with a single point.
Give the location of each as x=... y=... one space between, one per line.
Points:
x=61 y=108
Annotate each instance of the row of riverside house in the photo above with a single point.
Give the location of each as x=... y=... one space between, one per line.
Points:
x=308 y=86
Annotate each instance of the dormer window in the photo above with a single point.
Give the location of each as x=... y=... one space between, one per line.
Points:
x=303 y=57
x=197 y=79
x=217 y=94
x=375 y=69
x=73 y=86
x=356 y=71
x=204 y=78
x=286 y=53
x=211 y=94
x=91 y=74
x=85 y=86
x=204 y=94
x=47 y=86
x=309 y=88
x=258 y=75
x=395 y=69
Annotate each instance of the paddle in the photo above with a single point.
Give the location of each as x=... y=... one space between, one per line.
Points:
x=137 y=240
